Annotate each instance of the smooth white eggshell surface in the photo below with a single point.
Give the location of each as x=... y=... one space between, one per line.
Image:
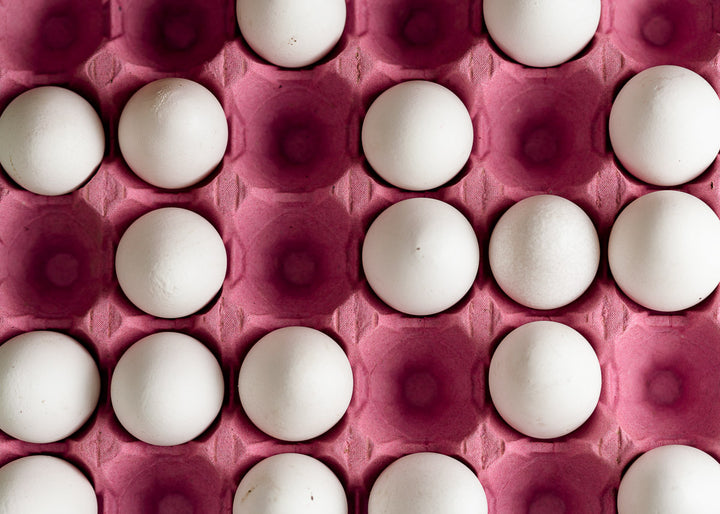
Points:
x=420 y=256
x=417 y=135
x=541 y=33
x=49 y=386
x=41 y=484
x=289 y=33
x=664 y=250
x=170 y=262
x=167 y=388
x=173 y=133
x=545 y=379
x=544 y=252
x=665 y=125
x=51 y=140
x=427 y=483
x=290 y=482
x=671 y=479
x=295 y=383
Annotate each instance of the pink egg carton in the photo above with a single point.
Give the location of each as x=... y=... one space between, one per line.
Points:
x=292 y=199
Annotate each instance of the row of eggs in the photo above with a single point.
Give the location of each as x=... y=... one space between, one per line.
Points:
x=666 y=480
x=538 y=33
x=167 y=388
x=294 y=384
x=421 y=256
x=664 y=128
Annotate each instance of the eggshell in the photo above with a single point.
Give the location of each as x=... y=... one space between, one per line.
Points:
x=173 y=133
x=290 y=482
x=167 y=388
x=41 y=484
x=291 y=34
x=170 y=262
x=49 y=386
x=421 y=256
x=545 y=379
x=295 y=383
x=427 y=483
x=665 y=125
x=671 y=479
x=664 y=250
x=544 y=252
x=51 y=140
x=541 y=33
x=417 y=135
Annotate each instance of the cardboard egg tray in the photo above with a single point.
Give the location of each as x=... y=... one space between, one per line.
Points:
x=292 y=200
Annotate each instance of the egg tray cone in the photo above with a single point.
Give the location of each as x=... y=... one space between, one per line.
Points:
x=292 y=199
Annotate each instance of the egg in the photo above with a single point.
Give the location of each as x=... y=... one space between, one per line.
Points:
x=170 y=262
x=541 y=33
x=544 y=252
x=665 y=125
x=421 y=256
x=427 y=483
x=49 y=386
x=291 y=34
x=671 y=479
x=664 y=251
x=167 y=389
x=51 y=140
x=545 y=379
x=417 y=135
x=41 y=484
x=295 y=383
x=173 y=133
x=290 y=482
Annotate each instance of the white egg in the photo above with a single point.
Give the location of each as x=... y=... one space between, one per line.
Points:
x=295 y=383
x=541 y=33
x=51 y=140
x=670 y=480
x=417 y=135
x=49 y=386
x=665 y=125
x=545 y=379
x=421 y=256
x=664 y=251
x=427 y=483
x=290 y=482
x=173 y=133
x=170 y=262
x=289 y=33
x=544 y=252
x=167 y=388
x=40 y=484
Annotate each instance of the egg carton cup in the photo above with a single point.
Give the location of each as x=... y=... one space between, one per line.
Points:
x=292 y=200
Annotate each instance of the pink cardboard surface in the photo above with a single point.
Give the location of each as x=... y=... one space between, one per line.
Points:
x=292 y=199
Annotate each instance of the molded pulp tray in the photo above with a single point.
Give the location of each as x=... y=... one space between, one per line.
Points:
x=292 y=199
